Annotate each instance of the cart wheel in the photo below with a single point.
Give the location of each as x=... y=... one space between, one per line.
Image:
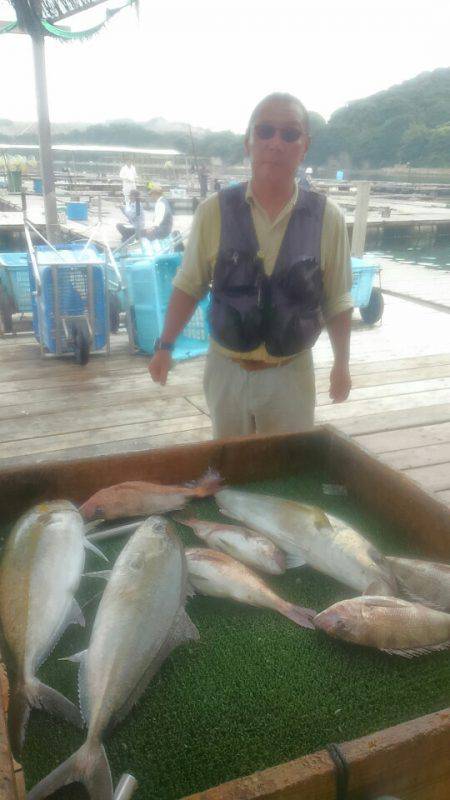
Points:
x=373 y=312
x=81 y=346
x=114 y=313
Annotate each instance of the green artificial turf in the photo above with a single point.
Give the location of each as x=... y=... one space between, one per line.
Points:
x=256 y=691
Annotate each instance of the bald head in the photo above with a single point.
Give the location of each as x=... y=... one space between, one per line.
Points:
x=280 y=99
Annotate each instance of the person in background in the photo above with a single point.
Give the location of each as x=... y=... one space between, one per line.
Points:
x=162 y=215
x=128 y=176
x=135 y=215
x=277 y=260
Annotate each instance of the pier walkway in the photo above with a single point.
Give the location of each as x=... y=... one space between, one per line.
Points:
x=399 y=407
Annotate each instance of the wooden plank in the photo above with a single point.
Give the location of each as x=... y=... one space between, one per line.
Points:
x=112 y=435
x=429 y=415
x=435 y=478
x=402 y=439
x=11 y=777
x=201 y=433
x=409 y=760
x=359 y=408
x=419 y=457
x=92 y=418
x=388 y=390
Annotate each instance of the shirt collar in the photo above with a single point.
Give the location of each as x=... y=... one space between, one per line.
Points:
x=296 y=200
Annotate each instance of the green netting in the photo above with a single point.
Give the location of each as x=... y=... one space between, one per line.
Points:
x=256 y=690
x=9 y=27
x=28 y=21
x=60 y=33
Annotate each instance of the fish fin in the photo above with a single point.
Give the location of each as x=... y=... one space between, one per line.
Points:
x=76 y=657
x=209 y=484
x=190 y=591
x=184 y=630
x=416 y=598
x=18 y=715
x=301 y=616
x=102 y=573
x=91 y=546
x=294 y=560
x=42 y=696
x=413 y=652
x=92 y=525
x=84 y=766
x=75 y=615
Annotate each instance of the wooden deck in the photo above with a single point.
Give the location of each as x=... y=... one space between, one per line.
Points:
x=399 y=407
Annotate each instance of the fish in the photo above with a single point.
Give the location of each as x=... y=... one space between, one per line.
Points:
x=40 y=572
x=142 y=499
x=426 y=582
x=307 y=536
x=394 y=626
x=218 y=575
x=245 y=545
x=139 y=621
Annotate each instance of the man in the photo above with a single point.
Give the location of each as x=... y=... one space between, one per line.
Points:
x=162 y=216
x=278 y=259
x=135 y=215
x=128 y=177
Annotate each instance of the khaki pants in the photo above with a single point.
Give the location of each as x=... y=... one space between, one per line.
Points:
x=276 y=400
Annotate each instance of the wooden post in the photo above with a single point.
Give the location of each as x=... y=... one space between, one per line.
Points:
x=45 y=146
x=360 y=221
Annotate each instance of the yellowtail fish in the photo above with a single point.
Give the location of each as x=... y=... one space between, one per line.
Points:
x=307 y=536
x=139 y=621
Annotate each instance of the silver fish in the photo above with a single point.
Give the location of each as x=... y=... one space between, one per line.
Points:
x=218 y=575
x=247 y=546
x=387 y=623
x=139 y=621
x=40 y=571
x=307 y=536
x=426 y=582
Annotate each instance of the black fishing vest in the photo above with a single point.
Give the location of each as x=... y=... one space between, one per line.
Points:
x=249 y=308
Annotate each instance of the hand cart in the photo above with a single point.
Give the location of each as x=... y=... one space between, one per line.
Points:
x=367 y=297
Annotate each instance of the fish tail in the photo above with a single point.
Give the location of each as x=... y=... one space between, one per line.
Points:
x=209 y=483
x=87 y=766
x=40 y=695
x=301 y=616
x=18 y=714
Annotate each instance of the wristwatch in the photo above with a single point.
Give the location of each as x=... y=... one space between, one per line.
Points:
x=160 y=345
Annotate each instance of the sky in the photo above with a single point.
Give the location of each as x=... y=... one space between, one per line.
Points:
x=208 y=62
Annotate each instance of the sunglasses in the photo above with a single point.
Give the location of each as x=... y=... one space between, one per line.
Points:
x=266 y=131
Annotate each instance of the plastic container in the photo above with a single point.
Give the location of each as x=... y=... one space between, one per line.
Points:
x=363 y=274
x=149 y=284
x=72 y=285
x=15 y=276
x=340 y=175
x=14 y=179
x=77 y=211
x=37 y=185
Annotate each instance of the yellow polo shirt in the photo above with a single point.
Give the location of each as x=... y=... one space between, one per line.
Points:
x=195 y=274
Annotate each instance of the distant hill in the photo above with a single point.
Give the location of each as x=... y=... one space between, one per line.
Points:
x=406 y=123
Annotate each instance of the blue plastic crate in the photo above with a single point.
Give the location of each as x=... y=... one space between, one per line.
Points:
x=17 y=279
x=363 y=275
x=77 y=211
x=72 y=290
x=149 y=283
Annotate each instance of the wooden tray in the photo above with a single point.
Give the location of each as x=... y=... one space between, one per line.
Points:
x=412 y=760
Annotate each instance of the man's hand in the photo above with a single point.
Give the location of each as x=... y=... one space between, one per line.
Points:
x=159 y=366
x=340 y=383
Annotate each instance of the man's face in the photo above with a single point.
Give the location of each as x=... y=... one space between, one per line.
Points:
x=275 y=159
